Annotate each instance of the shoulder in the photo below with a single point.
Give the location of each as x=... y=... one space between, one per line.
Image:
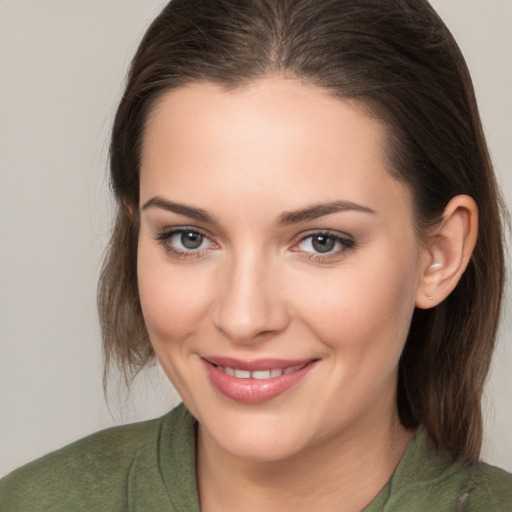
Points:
x=89 y=474
x=426 y=480
x=488 y=488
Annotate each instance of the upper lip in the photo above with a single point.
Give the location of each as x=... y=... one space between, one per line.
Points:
x=255 y=364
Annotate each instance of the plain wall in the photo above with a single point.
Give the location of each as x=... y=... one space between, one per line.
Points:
x=62 y=66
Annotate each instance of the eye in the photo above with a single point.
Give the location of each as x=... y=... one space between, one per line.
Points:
x=188 y=239
x=321 y=245
x=185 y=242
x=318 y=243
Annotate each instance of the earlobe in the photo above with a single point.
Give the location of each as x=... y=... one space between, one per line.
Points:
x=448 y=252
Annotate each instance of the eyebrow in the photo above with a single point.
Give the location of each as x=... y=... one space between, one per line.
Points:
x=320 y=210
x=181 y=209
x=286 y=218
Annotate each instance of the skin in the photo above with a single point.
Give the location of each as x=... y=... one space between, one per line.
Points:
x=258 y=288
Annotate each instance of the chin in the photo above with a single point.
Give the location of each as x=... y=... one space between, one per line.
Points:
x=260 y=448
x=257 y=436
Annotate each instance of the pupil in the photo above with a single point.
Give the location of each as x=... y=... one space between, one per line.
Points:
x=191 y=240
x=323 y=243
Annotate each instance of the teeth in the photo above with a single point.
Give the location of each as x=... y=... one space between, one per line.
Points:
x=293 y=368
x=259 y=374
x=264 y=374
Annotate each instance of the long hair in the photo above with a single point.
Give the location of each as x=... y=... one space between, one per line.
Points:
x=396 y=57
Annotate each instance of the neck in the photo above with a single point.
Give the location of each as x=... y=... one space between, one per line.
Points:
x=343 y=473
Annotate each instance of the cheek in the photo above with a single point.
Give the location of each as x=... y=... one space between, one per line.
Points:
x=173 y=301
x=362 y=310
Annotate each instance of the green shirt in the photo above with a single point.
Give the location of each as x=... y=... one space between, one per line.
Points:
x=150 y=467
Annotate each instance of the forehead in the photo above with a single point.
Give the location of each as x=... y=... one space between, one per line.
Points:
x=272 y=136
x=289 y=107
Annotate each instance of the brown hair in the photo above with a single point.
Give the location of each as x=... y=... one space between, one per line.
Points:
x=400 y=60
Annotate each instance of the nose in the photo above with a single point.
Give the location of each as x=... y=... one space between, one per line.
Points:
x=250 y=304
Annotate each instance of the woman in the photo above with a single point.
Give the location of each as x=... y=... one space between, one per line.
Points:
x=309 y=240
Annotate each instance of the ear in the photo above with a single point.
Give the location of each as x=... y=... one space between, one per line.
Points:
x=130 y=209
x=448 y=251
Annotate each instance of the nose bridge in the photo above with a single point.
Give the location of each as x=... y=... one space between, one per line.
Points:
x=248 y=301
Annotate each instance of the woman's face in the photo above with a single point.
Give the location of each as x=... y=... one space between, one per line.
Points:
x=278 y=264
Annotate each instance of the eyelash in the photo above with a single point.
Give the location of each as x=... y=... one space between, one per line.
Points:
x=344 y=244
x=164 y=238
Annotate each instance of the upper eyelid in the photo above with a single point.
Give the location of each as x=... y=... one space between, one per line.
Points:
x=181 y=229
x=328 y=232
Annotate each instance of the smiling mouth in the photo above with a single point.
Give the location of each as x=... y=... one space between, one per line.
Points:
x=254 y=382
x=259 y=374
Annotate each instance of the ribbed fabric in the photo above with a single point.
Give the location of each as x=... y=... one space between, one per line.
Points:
x=150 y=467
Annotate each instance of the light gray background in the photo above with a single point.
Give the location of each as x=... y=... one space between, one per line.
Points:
x=62 y=65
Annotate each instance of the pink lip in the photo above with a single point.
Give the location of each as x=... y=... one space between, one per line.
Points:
x=254 y=391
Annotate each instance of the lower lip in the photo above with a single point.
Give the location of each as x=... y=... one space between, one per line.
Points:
x=254 y=391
